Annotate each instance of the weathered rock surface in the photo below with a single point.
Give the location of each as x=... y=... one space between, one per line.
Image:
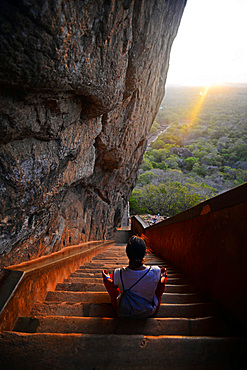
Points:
x=182 y=152
x=80 y=85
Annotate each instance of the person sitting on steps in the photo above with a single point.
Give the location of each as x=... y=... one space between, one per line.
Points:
x=144 y=281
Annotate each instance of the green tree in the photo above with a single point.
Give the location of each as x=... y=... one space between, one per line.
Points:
x=146 y=164
x=217 y=138
x=145 y=178
x=158 y=144
x=189 y=163
x=166 y=199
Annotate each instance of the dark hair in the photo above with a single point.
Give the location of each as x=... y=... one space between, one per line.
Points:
x=136 y=250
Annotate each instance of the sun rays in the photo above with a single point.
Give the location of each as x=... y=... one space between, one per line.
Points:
x=198 y=106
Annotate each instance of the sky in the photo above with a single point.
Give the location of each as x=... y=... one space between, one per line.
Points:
x=211 y=44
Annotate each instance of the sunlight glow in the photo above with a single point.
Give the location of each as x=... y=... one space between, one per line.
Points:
x=210 y=46
x=197 y=108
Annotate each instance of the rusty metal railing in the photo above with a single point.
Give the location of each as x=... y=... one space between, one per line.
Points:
x=209 y=243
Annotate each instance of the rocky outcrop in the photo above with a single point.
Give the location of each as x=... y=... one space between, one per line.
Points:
x=80 y=84
x=182 y=152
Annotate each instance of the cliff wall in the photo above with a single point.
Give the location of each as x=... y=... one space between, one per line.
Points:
x=80 y=85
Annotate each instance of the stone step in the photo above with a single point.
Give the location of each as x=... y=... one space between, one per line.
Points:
x=116 y=258
x=114 y=265
x=116 y=251
x=99 y=269
x=75 y=297
x=111 y=258
x=190 y=310
x=98 y=273
x=122 y=236
x=121 y=250
x=106 y=310
x=174 y=298
x=121 y=263
x=151 y=326
x=111 y=262
x=185 y=334
x=110 y=254
x=100 y=351
x=88 y=279
x=102 y=265
x=99 y=287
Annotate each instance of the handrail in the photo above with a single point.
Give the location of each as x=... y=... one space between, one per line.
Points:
x=224 y=200
x=29 y=281
x=209 y=243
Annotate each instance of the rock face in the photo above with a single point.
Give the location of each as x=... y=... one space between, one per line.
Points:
x=80 y=85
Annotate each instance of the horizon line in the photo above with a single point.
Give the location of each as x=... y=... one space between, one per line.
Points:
x=206 y=84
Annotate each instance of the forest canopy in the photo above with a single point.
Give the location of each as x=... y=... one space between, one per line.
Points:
x=199 y=150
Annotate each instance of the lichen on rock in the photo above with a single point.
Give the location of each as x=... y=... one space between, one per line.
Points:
x=80 y=85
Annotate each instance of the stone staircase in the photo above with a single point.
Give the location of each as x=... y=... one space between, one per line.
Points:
x=75 y=327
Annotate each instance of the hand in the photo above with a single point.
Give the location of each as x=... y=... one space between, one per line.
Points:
x=163 y=272
x=105 y=273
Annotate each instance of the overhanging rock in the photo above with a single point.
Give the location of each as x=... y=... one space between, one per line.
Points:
x=80 y=84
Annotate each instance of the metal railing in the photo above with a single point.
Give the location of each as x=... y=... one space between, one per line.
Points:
x=209 y=243
x=30 y=281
